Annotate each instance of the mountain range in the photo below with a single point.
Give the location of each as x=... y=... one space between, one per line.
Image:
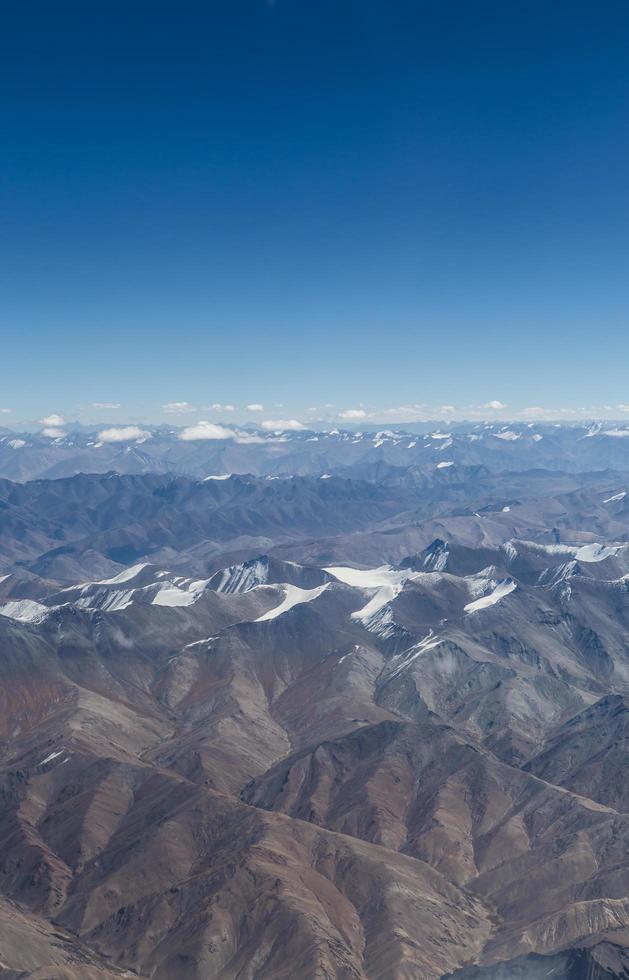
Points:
x=344 y=713
x=209 y=450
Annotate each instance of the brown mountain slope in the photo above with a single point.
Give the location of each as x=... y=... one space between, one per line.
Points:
x=326 y=780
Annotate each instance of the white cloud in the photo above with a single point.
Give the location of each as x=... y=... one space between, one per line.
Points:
x=217 y=407
x=621 y=408
x=353 y=413
x=210 y=430
x=405 y=413
x=495 y=405
x=105 y=404
x=53 y=420
x=178 y=408
x=53 y=433
x=206 y=430
x=126 y=433
x=5 y=411
x=447 y=409
x=277 y=425
x=256 y=407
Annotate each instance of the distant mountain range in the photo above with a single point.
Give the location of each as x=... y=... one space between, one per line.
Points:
x=372 y=726
x=165 y=449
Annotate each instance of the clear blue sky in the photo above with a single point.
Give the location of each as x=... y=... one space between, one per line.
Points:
x=380 y=202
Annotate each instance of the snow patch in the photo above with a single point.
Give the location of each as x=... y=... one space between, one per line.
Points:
x=502 y=589
x=244 y=577
x=596 y=552
x=172 y=596
x=428 y=643
x=386 y=582
x=110 y=602
x=617 y=496
x=293 y=596
x=49 y=758
x=25 y=611
x=125 y=576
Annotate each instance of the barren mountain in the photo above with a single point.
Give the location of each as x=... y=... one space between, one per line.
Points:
x=369 y=727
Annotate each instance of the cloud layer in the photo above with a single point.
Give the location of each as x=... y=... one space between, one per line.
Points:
x=206 y=430
x=282 y=425
x=126 y=433
x=53 y=420
x=178 y=408
x=353 y=413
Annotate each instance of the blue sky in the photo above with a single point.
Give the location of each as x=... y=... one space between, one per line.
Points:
x=364 y=206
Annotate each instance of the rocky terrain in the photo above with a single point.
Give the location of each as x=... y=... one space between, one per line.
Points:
x=372 y=726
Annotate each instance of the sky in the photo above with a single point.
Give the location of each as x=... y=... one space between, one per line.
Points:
x=398 y=208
